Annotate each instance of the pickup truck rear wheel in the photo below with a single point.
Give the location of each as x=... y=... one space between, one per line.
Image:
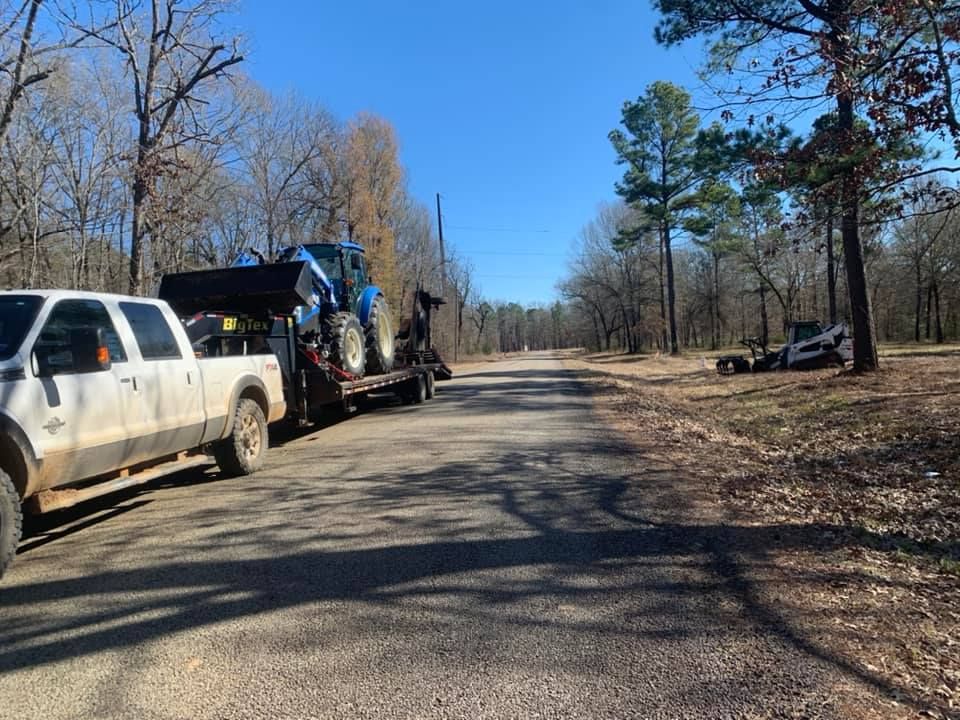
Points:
x=242 y=452
x=11 y=521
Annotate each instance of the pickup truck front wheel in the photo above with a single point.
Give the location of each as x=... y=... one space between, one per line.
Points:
x=242 y=452
x=11 y=521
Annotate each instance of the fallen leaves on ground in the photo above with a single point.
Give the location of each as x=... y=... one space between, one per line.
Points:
x=865 y=467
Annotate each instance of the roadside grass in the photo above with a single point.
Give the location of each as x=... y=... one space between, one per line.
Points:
x=869 y=464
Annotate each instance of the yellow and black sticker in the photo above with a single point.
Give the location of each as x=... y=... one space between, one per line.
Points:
x=243 y=326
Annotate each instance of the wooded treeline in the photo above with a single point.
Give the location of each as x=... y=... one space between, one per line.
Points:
x=132 y=145
x=723 y=285
x=826 y=192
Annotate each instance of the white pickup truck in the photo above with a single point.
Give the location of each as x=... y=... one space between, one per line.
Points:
x=99 y=392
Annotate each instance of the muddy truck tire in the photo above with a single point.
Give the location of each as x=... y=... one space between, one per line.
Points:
x=11 y=521
x=242 y=452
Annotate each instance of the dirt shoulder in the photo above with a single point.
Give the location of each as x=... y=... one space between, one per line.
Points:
x=851 y=483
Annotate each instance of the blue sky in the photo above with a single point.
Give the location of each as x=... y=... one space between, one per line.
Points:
x=502 y=107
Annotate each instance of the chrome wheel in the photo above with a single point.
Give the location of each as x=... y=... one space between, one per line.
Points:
x=250 y=437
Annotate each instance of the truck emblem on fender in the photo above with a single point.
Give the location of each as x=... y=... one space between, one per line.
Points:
x=54 y=425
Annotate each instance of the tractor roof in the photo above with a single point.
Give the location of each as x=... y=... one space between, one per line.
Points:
x=343 y=244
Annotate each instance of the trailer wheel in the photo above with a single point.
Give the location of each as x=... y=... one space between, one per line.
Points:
x=11 y=521
x=242 y=452
x=431 y=385
x=379 y=338
x=345 y=335
x=418 y=390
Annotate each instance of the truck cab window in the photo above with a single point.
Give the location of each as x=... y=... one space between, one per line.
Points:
x=16 y=317
x=154 y=337
x=53 y=347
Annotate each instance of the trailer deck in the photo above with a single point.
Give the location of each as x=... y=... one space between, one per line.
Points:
x=310 y=381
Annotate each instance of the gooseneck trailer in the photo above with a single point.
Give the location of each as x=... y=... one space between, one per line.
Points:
x=260 y=308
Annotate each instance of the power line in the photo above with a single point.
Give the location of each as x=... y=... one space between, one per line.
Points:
x=499 y=230
x=514 y=253
x=517 y=277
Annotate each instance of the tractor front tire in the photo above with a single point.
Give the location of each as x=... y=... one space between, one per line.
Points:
x=11 y=521
x=345 y=335
x=243 y=450
x=380 y=338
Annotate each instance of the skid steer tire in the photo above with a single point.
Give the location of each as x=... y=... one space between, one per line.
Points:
x=345 y=337
x=243 y=450
x=379 y=338
x=11 y=521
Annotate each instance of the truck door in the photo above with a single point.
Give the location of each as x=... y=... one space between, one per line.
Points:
x=83 y=421
x=168 y=384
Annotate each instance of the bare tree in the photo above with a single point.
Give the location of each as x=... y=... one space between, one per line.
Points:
x=285 y=143
x=172 y=55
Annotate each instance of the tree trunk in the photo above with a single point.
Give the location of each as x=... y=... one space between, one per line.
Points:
x=596 y=331
x=764 y=318
x=831 y=271
x=663 y=304
x=936 y=311
x=136 y=241
x=918 y=307
x=716 y=300
x=864 y=334
x=671 y=292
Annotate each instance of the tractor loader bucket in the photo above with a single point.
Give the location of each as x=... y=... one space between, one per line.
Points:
x=278 y=288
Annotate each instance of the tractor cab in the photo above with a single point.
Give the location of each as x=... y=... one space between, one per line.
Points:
x=344 y=265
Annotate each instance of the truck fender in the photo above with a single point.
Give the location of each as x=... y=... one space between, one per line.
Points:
x=366 y=303
x=247 y=386
x=17 y=455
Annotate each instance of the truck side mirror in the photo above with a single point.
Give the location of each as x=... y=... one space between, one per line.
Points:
x=90 y=352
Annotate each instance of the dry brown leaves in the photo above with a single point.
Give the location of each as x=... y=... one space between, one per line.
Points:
x=869 y=464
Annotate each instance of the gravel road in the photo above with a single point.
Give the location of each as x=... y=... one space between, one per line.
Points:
x=496 y=553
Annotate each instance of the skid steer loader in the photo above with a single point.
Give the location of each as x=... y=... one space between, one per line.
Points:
x=809 y=345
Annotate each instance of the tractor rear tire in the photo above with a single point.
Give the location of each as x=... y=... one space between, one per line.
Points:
x=11 y=521
x=243 y=450
x=345 y=335
x=380 y=338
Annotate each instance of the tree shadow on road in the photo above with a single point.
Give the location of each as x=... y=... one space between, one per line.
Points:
x=561 y=512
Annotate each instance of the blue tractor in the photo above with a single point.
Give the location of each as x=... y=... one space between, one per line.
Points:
x=347 y=319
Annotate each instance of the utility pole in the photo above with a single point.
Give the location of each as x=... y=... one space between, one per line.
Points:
x=443 y=257
x=443 y=271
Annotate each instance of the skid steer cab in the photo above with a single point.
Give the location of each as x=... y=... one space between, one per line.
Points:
x=809 y=346
x=345 y=317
